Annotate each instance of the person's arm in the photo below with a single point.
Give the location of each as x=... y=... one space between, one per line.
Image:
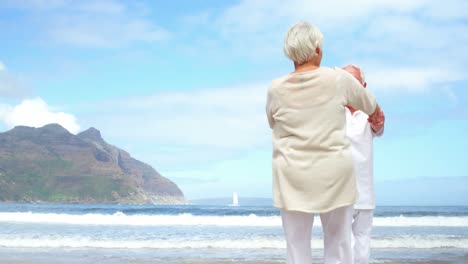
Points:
x=377 y=123
x=269 y=108
x=379 y=132
x=356 y=95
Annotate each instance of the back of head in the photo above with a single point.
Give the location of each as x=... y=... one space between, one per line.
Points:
x=301 y=42
x=357 y=72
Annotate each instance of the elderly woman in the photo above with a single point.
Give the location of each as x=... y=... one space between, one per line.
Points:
x=312 y=163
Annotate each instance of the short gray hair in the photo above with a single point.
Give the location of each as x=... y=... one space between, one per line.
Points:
x=361 y=72
x=301 y=41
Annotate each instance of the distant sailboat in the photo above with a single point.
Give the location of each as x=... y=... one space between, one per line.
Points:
x=235 y=199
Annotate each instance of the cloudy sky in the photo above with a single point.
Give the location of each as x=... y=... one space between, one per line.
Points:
x=181 y=85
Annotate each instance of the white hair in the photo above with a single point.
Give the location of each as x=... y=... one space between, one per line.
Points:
x=361 y=72
x=301 y=41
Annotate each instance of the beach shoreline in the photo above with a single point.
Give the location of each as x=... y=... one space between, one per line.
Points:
x=129 y=234
x=116 y=256
x=207 y=261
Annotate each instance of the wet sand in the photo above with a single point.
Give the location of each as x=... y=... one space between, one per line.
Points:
x=62 y=260
x=115 y=256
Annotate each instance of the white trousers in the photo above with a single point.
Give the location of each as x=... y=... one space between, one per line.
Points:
x=362 y=226
x=336 y=226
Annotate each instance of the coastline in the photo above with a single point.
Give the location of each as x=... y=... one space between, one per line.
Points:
x=119 y=256
x=201 y=261
x=130 y=234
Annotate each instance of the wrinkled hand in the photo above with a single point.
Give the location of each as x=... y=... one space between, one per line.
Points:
x=377 y=121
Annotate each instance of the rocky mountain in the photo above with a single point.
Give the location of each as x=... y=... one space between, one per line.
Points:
x=49 y=164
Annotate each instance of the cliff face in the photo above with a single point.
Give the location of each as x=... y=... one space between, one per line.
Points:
x=49 y=164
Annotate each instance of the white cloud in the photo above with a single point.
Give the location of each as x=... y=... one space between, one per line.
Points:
x=415 y=79
x=408 y=35
x=92 y=24
x=104 y=32
x=262 y=21
x=397 y=35
x=403 y=53
x=34 y=4
x=450 y=9
x=253 y=16
x=110 y=7
x=36 y=113
x=232 y=118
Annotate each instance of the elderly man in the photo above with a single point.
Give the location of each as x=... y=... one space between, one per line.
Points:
x=312 y=163
x=361 y=133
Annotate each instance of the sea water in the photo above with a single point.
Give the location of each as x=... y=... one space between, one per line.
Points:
x=243 y=233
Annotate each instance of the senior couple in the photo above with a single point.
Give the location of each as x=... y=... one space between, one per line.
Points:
x=323 y=121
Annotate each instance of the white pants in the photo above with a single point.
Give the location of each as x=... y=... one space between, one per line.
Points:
x=362 y=226
x=336 y=227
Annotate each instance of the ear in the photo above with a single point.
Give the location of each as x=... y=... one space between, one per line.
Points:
x=365 y=85
x=318 y=50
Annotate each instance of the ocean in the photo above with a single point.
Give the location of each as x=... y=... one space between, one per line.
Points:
x=69 y=233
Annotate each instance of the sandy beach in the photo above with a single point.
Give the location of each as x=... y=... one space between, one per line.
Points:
x=20 y=256
x=200 y=261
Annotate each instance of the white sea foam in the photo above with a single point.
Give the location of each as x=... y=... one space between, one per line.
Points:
x=403 y=242
x=196 y=220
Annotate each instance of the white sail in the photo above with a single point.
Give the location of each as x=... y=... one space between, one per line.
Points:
x=235 y=199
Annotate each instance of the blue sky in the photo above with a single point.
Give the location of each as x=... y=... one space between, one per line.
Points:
x=181 y=85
